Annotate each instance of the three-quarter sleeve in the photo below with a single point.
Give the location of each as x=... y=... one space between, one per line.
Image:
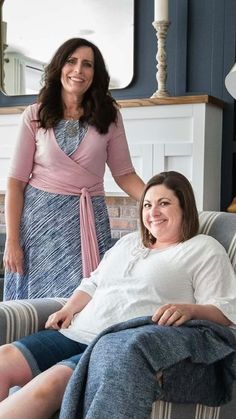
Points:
x=215 y=280
x=89 y=285
x=118 y=155
x=23 y=156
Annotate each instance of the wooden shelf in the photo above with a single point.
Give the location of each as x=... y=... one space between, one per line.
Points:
x=171 y=100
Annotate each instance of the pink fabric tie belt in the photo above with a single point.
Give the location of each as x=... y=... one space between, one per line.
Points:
x=89 y=243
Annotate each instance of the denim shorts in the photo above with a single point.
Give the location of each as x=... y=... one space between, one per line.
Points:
x=46 y=348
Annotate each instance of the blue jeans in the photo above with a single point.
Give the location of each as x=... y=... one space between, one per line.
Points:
x=46 y=348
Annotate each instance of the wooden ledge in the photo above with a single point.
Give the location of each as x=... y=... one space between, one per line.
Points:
x=171 y=100
x=8 y=110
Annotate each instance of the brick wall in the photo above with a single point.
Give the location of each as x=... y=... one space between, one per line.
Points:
x=2 y=218
x=123 y=214
x=2 y=241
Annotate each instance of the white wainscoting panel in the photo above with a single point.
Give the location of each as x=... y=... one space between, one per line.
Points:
x=8 y=133
x=186 y=137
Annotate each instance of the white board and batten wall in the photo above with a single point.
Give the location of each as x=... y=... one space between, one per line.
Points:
x=176 y=133
x=9 y=122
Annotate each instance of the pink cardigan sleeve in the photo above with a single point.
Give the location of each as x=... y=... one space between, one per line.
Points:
x=23 y=157
x=118 y=155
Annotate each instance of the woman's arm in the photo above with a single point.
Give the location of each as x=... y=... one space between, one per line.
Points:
x=61 y=319
x=13 y=255
x=79 y=299
x=132 y=184
x=177 y=314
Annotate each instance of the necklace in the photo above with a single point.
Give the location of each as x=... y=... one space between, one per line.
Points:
x=72 y=128
x=72 y=125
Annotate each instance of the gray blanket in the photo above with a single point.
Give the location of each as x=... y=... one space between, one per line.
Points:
x=116 y=376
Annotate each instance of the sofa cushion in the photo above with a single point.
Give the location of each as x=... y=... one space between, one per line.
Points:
x=221 y=226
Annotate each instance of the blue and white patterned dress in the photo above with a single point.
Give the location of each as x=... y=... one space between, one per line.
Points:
x=50 y=234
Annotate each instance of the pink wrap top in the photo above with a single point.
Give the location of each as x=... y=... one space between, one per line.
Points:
x=39 y=161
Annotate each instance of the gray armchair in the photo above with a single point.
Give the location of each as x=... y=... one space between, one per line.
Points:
x=22 y=317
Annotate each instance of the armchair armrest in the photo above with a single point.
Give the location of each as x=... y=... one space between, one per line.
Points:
x=20 y=318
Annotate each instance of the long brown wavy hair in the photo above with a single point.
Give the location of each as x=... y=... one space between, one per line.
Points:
x=100 y=108
x=183 y=190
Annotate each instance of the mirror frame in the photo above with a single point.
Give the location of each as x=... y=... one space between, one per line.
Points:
x=1 y=47
x=114 y=88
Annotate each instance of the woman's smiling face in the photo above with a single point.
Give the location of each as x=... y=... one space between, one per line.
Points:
x=162 y=216
x=78 y=71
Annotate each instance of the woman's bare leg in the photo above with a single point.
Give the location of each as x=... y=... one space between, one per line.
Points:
x=14 y=369
x=40 y=398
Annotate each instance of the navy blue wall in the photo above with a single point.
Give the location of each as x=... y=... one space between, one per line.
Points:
x=201 y=48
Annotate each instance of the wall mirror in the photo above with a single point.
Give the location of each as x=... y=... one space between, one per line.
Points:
x=32 y=30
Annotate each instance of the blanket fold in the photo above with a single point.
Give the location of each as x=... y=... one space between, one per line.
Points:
x=116 y=377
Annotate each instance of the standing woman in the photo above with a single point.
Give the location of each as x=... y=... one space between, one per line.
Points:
x=56 y=216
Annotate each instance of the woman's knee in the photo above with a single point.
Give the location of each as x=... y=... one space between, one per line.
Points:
x=52 y=382
x=13 y=365
x=8 y=354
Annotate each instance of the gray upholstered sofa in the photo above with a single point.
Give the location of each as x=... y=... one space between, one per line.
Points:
x=19 y=318
x=2 y=245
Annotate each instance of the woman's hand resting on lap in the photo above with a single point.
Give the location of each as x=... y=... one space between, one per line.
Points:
x=59 y=320
x=173 y=314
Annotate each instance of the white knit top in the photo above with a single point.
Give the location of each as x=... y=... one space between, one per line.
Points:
x=133 y=281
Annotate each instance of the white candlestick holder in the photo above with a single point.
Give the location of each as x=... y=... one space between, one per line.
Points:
x=161 y=27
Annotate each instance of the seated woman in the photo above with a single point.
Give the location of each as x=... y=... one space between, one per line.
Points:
x=167 y=271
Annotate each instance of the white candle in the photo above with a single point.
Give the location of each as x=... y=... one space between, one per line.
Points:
x=161 y=10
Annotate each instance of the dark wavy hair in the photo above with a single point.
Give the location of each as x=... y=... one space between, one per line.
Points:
x=183 y=190
x=100 y=108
